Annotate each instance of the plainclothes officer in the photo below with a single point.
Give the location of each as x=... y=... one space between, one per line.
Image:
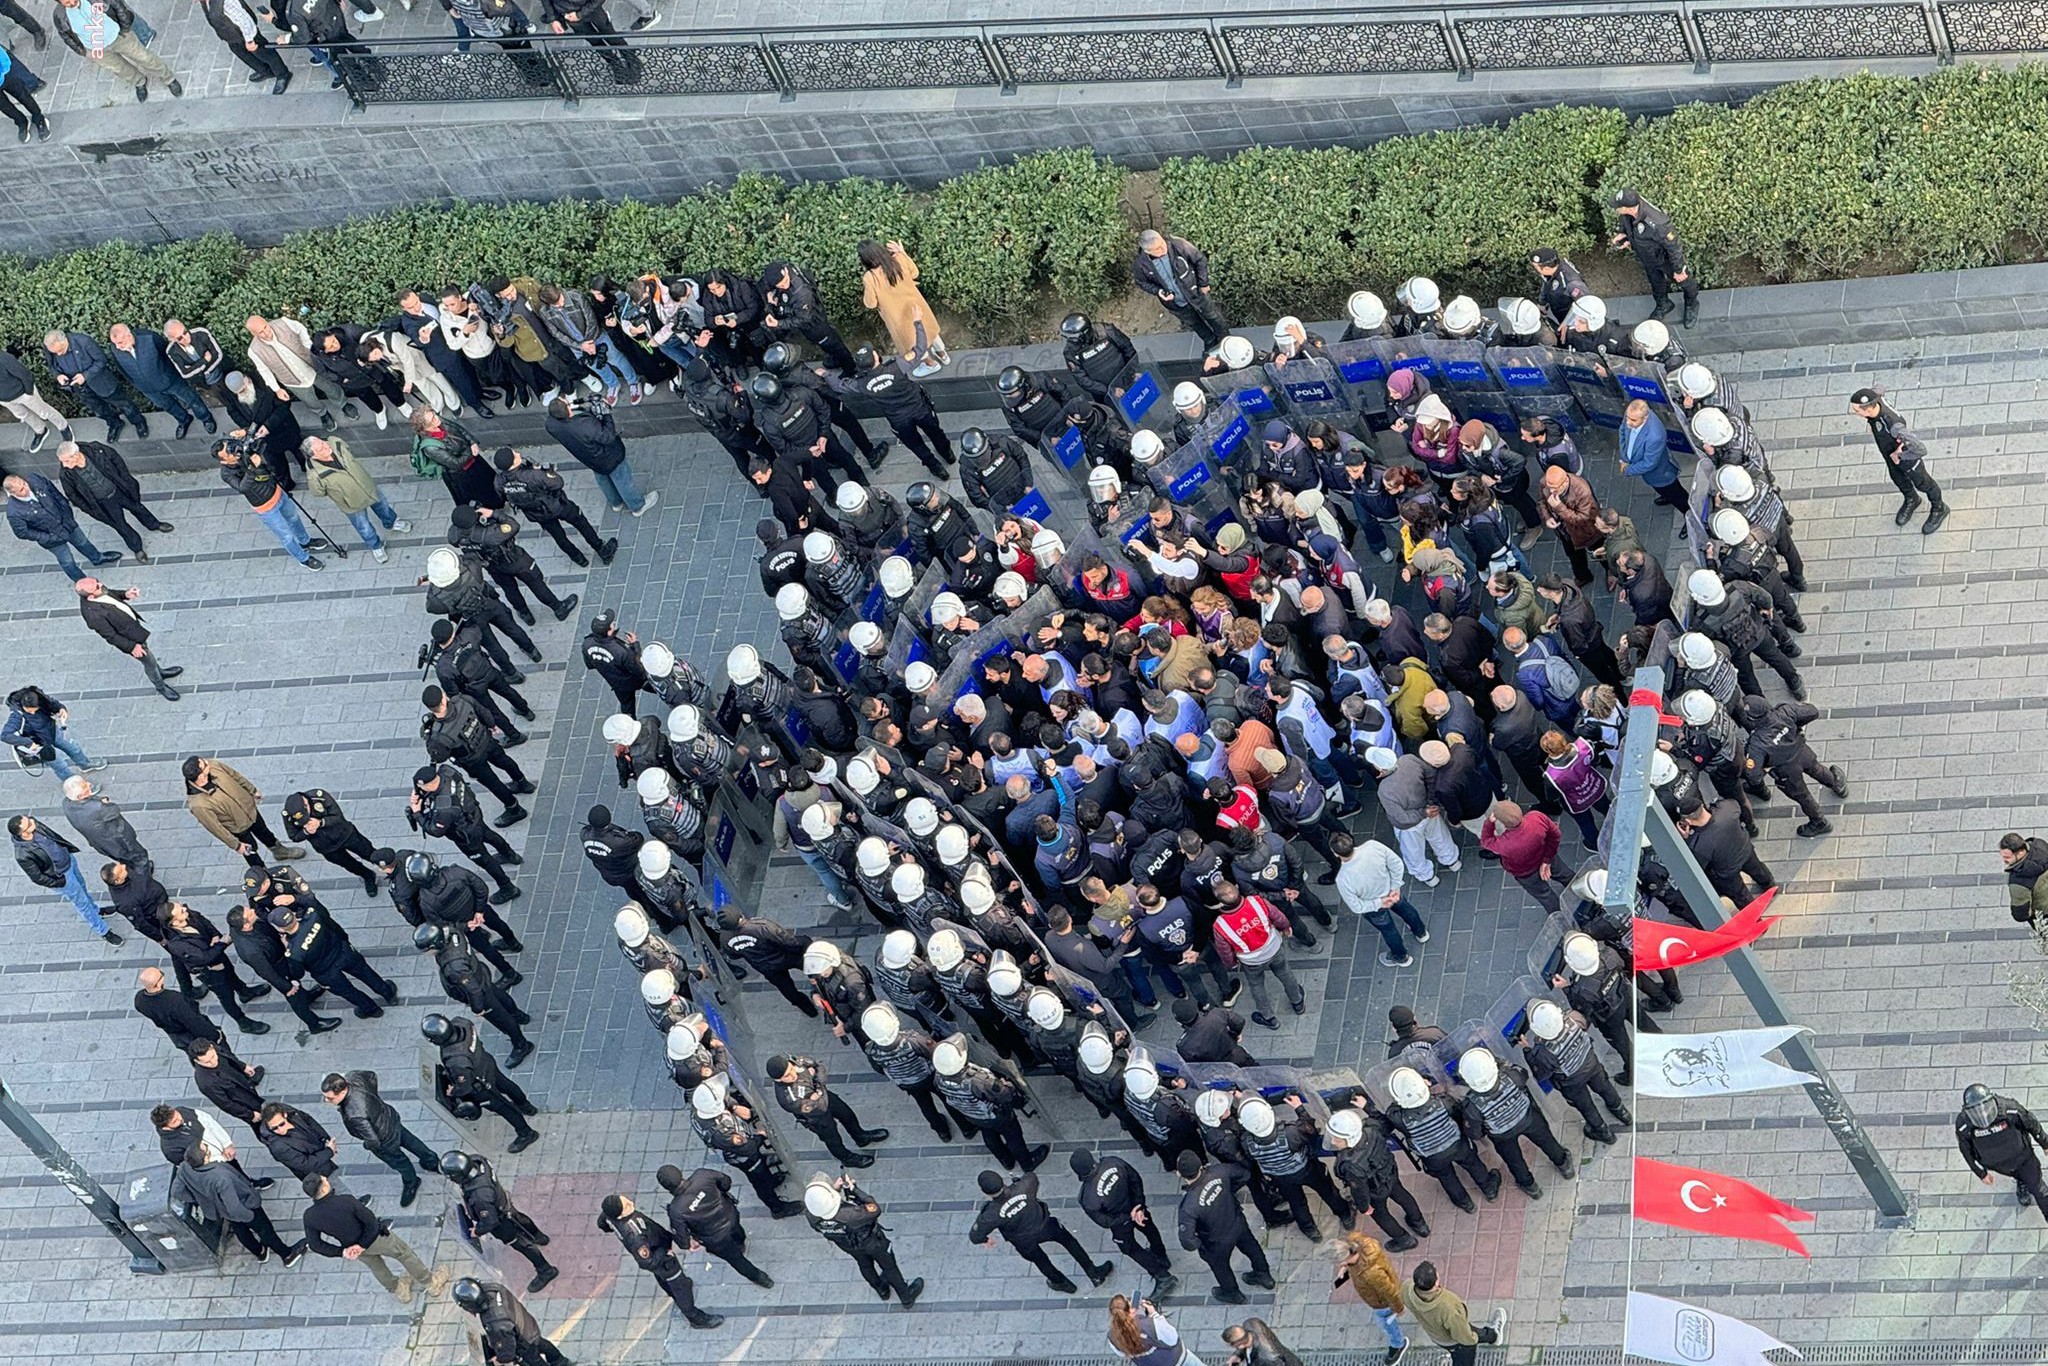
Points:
x=1212 y=1224
x=1905 y=459
x=1113 y=1195
x=458 y=898
x=473 y=986
x=1740 y=616
x=174 y=1012
x=341 y=1226
x=492 y=1214
x=442 y=804
x=1777 y=746
x=463 y=665
x=1284 y=1148
x=1014 y=1210
x=986 y=1103
x=492 y=535
x=701 y=1209
x=537 y=492
x=228 y=1082
x=314 y=943
x=1499 y=1104
x=1428 y=1127
x=222 y=1191
x=298 y=1141
x=373 y=1119
x=511 y=1337
x=315 y=816
x=903 y=403
x=264 y=953
x=196 y=945
x=800 y=1089
x=614 y=656
x=851 y=1220
x=1646 y=230
x=1998 y=1134
x=1365 y=1165
x=904 y=1055
x=771 y=949
x=470 y=1074
x=653 y=1250
x=453 y=730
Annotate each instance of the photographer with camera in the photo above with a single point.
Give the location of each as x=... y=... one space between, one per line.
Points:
x=586 y=431
x=573 y=322
x=245 y=469
x=539 y=494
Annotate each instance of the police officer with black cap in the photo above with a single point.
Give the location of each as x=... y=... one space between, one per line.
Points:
x=1014 y=1210
x=316 y=817
x=463 y=667
x=800 y=1089
x=613 y=850
x=653 y=1250
x=537 y=493
x=258 y=946
x=1562 y=282
x=904 y=404
x=797 y=425
x=472 y=985
x=1035 y=403
x=1212 y=1224
x=491 y=1213
x=1113 y=1195
x=1647 y=231
x=1777 y=746
x=701 y=1209
x=1099 y=355
x=442 y=804
x=1998 y=1134
x=313 y=942
x=614 y=656
x=851 y=1220
x=782 y=362
x=453 y=730
x=1905 y=459
x=470 y=1075
x=995 y=470
x=511 y=1337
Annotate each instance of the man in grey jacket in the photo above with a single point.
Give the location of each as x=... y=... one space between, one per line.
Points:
x=100 y=821
x=1419 y=827
x=220 y=1190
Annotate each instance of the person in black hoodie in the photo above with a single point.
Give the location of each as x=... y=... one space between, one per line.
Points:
x=2025 y=860
x=587 y=432
x=790 y=308
x=263 y=953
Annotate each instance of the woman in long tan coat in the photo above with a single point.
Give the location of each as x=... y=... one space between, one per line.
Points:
x=889 y=286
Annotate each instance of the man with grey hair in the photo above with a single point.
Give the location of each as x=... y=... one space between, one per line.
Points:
x=85 y=373
x=102 y=824
x=1174 y=271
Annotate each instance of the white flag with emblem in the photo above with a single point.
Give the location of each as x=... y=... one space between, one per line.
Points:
x=1684 y=1335
x=1713 y=1064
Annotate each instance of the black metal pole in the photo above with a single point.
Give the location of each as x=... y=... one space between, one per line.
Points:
x=1637 y=812
x=78 y=1181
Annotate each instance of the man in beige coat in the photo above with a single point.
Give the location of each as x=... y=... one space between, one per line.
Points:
x=334 y=473
x=229 y=806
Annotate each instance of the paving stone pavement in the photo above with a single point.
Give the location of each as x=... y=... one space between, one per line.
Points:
x=335 y=706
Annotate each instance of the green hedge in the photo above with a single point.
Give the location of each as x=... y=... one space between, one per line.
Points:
x=1824 y=178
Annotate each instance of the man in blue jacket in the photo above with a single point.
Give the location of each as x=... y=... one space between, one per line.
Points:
x=1646 y=453
x=37 y=512
x=142 y=358
x=84 y=372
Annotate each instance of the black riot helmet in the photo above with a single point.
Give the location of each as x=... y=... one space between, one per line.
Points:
x=437 y=1028
x=1077 y=328
x=421 y=867
x=429 y=937
x=468 y=1293
x=1980 y=1107
x=973 y=441
x=779 y=359
x=921 y=493
x=765 y=387
x=455 y=1164
x=866 y=357
x=1013 y=382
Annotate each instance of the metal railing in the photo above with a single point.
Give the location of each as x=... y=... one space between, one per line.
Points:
x=1457 y=40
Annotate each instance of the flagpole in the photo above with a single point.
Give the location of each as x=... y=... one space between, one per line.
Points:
x=1636 y=813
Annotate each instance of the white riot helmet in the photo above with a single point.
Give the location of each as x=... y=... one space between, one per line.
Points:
x=819 y=547
x=1479 y=1069
x=1663 y=773
x=1256 y=1115
x=897 y=577
x=817 y=820
x=1237 y=352
x=1650 y=337
x=1188 y=398
x=944 y=950
x=1005 y=978
x=947 y=608
x=1593 y=882
x=1047 y=547
x=1010 y=587
x=1103 y=485
x=1730 y=527
x=852 y=496
x=864 y=636
x=654 y=787
x=1146 y=447
x=1212 y=1107
x=444 y=567
x=620 y=729
x=920 y=817
x=1696 y=708
x=1522 y=316
x=825 y=771
x=1096 y=1051
x=1346 y=1125
x=872 y=855
x=861 y=775
x=630 y=925
x=657 y=659
x=920 y=677
x=1706 y=588
x=898 y=948
x=949 y=1059
x=907 y=882
x=1546 y=1019
x=820 y=959
x=1408 y=1088
x=880 y=1024
x=1419 y=295
x=1694 y=380
x=1045 y=1009
x=952 y=845
x=1141 y=1078
x=821 y=1198
x=1366 y=310
x=1696 y=651
x=1734 y=483
x=1589 y=310
x=1284 y=330
x=1581 y=953
x=977 y=897
x=685 y=723
x=1461 y=316
x=658 y=987
x=682 y=1039
x=792 y=600
x=655 y=860
x=743 y=665
x=707 y=1101
x=1711 y=427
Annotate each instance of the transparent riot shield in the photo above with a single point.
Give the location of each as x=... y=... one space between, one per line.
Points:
x=1362 y=370
x=1424 y=1061
x=907 y=644
x=1139 y=398
x=1590 y=383
x=997 y=636
x=873 y=608
x=1311 y=388
x=1534 y=385
x=1247 y=389
x=1508 y=1017
x=1646 y=380
x=1466 y=383
x=1546 y=953
x=1194 y=480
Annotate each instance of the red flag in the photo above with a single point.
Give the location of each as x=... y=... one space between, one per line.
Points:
x=1662 y=945
x=1708 y=1202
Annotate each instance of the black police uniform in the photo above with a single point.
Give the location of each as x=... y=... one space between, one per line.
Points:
x=1662 y=257
x=1777 y=746
x=451 y=812
x=907 y=407
x=1212 y=1226
x=1016 y=1212
x=337 y=840
x=462 y=736
x=1607 y=1000
x=2008 y=1145
x=471 y=1074
x=825 y=1113
x=1036 y=413
x=872 y=451
x=743 y=1146
x=1727 y=854
x=701 y=1206
x=511 y=1337
x=997 y=476
x=794 y=421
x=987 y=1102
x=1112 y=1193
x=1508 y=1114
x=857 y=1231
x=1569 y=1063
x=453 y=897
x=615 y=661
x=474 y=987
x=1101 y=359
x=462 y=666
x=614 y=851
x=537 y=492
x=1168 y=1123
x=721 y=408
x=264 y=954
x=495 y=541
x=1289 y=1159
x=471 y=598
x=1905 y=461
x=1369 y=1173
x=1741 y=623
x=1560 y=289
x=321 y=947
x=653 y=1250
x=492 y=1214
x=1432 y=1133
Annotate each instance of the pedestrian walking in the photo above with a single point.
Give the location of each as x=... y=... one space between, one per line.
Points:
x=1213 y=1227
x=1999 y=1136
x=97 y=481
x=588 y=433
x=377 y=1124
x=1445 y=1318
x=653 y=1249
x=341 y=1226
x=1527 y=844
x=1369 y=881
x=701 y=1210
x=511 y=1336
x=850 y=1219
x=222 y=1192
x=38 y=730
x=37 y=512
x=49 y=860
x=1905 y=459
x=229 y=806
x=333 y=472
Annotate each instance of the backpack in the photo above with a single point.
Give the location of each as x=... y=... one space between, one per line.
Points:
x=1560 y=679
x=421 y=465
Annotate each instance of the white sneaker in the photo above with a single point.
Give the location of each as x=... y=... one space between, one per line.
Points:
x=379 y=554
x=925 y=371
x=549 y=397
x=382 y=420
x=374 y=16
x=1451 y=867
x=647 y=505
x=405 y=410
x=401 y=525
x=1427 y=881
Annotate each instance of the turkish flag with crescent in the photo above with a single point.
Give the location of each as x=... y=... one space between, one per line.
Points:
x=1662 y=945
x=1708 y=1202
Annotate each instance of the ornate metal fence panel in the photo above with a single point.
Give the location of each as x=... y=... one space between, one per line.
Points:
x=1587 y=38
x=1779 y=35
x=1338 y=49
x=1080 y=55
x=885 y=63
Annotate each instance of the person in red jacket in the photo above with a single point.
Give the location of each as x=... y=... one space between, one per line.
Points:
x=1527 y=844
x=1251 y=936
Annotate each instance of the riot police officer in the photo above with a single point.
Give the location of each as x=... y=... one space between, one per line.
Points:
x=695 y=1055
x=1562 y=283
x=851 y=1220
x=1711 y=740
x=727 y=1125
x=653 y=1250
x=453 y=730
x=458 y=588
x=797 y=424
x=995 y=470
x=537 y=492
x=1113 y=1195
x=613 y=655
x=491 y=1214
x=442 y=804
x=964 y=979
x=782 y=363
x=470 y=1075
x=511 y=1337
x=463 y=666
x=1647 y=231
x=1166 y=1119
x=1998 y=1134
x=1034 y=403
x=1098 y=355
x=472 y=985
x=644 y=950
x=1738 y=552
x=1014 y=1210
x=1739 y=615
x=1499 y=1104
x=1212 y=1224
x=870 y=518
x=1777 y=746
x=987 y=1103
x=1560 y=1051
x=1366 y=1167
x=316 y=817
x=805 y=632
x=720 y=406
x=701 y=1208
x=1428 y=1127
x=903 y=403
x=1600 y=985
x=495 y=541
x=904 y=1055
x=457 y=898
x=1285 y=1150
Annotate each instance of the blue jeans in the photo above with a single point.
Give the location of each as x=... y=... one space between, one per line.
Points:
x=1392 y=1324
x=835 y=885
x=679 y=350
x=179 y=401
x=68 y=562
x=619 y=488
x=81 y=899
x=614 y=375
x=366 y=526
x=1381 y=918
x=283 y=521
x=65 y=745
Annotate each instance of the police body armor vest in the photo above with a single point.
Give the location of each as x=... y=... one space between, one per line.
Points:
x=967 y=1099
x=967 y=985
x=1431 y=1127
x=1569 y=1053
x=683 y=684
x=1154 y=1114
x=902 y=1062
x=1718 y=682
x=1503 y=1108
x=1274 y=1155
